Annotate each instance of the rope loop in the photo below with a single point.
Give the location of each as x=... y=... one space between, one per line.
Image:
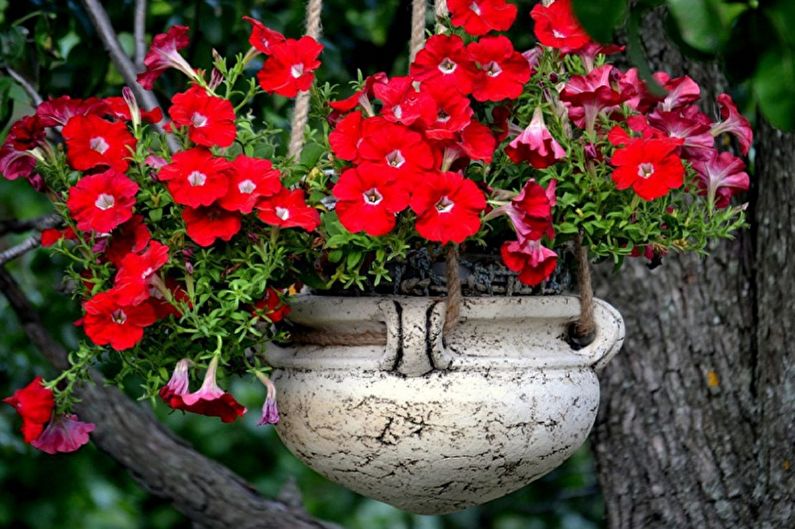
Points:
x=301 y=111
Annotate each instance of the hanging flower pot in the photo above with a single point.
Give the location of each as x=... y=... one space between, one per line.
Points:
x=188 y=244
x=380 y=400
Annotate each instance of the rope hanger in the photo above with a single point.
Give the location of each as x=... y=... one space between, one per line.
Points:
x=581 y=332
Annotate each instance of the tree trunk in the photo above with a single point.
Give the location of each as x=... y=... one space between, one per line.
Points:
x=697 y=423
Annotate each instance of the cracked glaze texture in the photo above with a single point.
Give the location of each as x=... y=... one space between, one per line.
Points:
x=433 y=425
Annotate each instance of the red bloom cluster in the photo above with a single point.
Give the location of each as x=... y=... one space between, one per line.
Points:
x=425 y=127
x=43 y=429
x=530 y=213
x=291 y=64
x=217 y=193
x=662 y=131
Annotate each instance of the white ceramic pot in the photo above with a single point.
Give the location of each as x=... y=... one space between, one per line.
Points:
x=434 y=424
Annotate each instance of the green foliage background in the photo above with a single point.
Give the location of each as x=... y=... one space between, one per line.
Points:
x=53 y=44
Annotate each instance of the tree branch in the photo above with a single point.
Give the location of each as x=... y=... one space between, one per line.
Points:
x=139 y=33
x=29 y=244
x=205 y=491
x=100 y=20
x=51 y=220
x=25 y=84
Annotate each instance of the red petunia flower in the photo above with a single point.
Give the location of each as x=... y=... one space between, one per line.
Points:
x=109 y=322
x=691 y=126
x=34 y=403
x=448 y=207
x=402 y=102
x=50 y=236
x=721 y=177
x=586 y=96
x=130 y=237
x=263 y=38
x=733 y=123
x=164 y=54
x=531 y=211
x=682 y=91
x=530 y=259
x=102 y=201
x=93 y=142
x=478 y=17
x=444 y=61
x=360 y=97
x=395 y=146
x=196 y=178
x=503 y=71
x=535 y=145
x=136 y=272
x=347 y=136
x=288 y=209
x=57 y=112
x=64 y=434
x=272 y=306
x=15 y=160
x=368 y=199
x=453 y=112
x=290 y=67
x=475 y=142
x=206 y=225
x=252 y=179
x=650 y=166
x=210 y=119
x=209 y=400
x=557 y=27
x=118 y=108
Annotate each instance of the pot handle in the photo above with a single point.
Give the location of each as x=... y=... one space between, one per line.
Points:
x=414 y=336
x=609 y=336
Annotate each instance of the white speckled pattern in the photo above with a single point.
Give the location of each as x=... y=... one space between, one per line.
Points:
x=434 y=426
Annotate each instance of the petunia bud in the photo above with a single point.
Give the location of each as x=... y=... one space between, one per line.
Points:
x=132 y=104
x=216 y=78
x=177 y=385
x=270 y=411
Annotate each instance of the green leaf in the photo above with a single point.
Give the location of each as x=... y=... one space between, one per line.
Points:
x=774 y=84
x=599 y=19
x=704 y=25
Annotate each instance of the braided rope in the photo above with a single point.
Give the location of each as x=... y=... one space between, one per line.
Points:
x=301 y=112
x=418 y=9
x=585 y=327
x=454 y=293
x=440 y=11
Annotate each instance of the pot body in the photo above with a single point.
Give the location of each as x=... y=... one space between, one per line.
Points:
x=434 y=424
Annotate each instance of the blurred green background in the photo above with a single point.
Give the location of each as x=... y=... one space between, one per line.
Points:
x=53 y=44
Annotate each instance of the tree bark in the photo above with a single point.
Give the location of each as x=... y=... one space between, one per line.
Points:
x=697 y=422
x=208 y=493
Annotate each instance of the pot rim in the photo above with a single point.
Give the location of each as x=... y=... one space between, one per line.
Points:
x=489 y=334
